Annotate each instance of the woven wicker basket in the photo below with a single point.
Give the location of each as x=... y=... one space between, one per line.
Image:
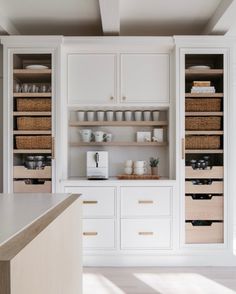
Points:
x=33 y=142
x=202 y=142
x=203 y=104
x=203 y=123
x=33 y=123
x=33 y=104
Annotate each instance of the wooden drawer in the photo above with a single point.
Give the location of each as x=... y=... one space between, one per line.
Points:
x=21 y=172
x=98 y=234
x=21 y=186
x=204 y=234
x=216 y=172
x=145 y=201
x=97 y=201
x=216 y=187
x=204 y=209
x=145 y=233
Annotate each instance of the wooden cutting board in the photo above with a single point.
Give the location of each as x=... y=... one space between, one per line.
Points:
x=138 y=177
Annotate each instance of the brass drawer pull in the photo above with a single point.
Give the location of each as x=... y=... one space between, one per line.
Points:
x=90 y=202
x=145 y=201
x=146 y=233
x=90 y=233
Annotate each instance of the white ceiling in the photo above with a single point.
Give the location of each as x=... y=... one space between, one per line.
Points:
x=132 y=17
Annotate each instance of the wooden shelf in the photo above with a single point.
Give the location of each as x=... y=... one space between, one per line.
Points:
x=32 y=95
x=213 y=151
x=118 y=123
x=28 y=132
x=32 y=113
x=32 y=75
x=134 y=144
x=29 y=151
x=204 y=95
x=204 y=113
x=204 y=132
x=192 y=73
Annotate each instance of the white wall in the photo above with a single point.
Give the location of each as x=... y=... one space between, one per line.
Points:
x=1 y=118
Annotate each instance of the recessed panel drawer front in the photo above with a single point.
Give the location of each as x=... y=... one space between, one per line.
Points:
x=207 y=209
x=145 y=201
x=97 y=201
x=98 y=234
x=216 y=187
x=204 y=234
x=216 y=172
x=145 y=233
x=23 y=187
x=21 y=172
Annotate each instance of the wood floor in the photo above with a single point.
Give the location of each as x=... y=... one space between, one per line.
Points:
x=171 y=280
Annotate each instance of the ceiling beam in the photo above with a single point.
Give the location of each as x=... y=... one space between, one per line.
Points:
x=110 y=17
x=222 y=19
x=6 y=26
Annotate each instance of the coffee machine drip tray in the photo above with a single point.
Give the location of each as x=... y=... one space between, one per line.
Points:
x=97 y=178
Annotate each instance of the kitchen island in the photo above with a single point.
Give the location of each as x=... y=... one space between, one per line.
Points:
x=40 y=244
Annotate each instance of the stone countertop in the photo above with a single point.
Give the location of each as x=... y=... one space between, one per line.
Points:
x=24 y=215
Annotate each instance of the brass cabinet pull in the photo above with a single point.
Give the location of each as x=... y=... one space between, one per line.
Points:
x=90 y=233
x=183 y=148
x=145 y=201
x=90 y=202
x=146 y=233
x=53 y=147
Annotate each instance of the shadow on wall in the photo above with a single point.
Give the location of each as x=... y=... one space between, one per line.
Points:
x=1 y=119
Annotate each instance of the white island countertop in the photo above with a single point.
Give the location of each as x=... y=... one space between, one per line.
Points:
x=23 y=216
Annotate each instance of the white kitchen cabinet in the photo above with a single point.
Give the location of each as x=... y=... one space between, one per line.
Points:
x=145 y=78
x=91 y=78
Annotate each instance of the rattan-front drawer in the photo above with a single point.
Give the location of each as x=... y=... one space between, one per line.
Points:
x=33 y=142
x=33 y=123
x=203 y=123
x=203 y=104
x=33 y=104
x=202 y=142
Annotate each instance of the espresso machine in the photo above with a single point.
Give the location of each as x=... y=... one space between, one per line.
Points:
x=97 y=165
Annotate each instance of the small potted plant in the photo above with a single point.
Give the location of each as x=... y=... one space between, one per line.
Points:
x=154 y=165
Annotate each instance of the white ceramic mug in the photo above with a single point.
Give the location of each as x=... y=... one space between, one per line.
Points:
x=18 y=88
x=100 y=115
x=147 y=115
x=138 y=115
x=99 y=136
x=90 y=115
x=119 y=115
x=129 y=163
x=140 y=164
x=158 y=135
x=128 y=115
x=128 y=170
x=140 y=170
x=155 y=115
x=86 y=135
x=25 y=88
x=109 y=137
x=110 y=115
x=80 y=115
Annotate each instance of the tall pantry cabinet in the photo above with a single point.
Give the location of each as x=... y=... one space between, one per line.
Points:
x=30 y=120
x=204 y=95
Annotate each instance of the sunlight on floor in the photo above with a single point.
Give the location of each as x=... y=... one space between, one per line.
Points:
x=98 y=284
x=182 y=283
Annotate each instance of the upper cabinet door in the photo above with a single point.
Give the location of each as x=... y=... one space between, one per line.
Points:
x=145 y=78
x=91 y=78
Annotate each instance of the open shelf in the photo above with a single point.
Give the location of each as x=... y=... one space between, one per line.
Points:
x=32 y=113
x=204 y=95
x=29 y=151
x=118 y=123
x=203 y=113
x=32 y=95
x=204 y=73
x=28 y=132
x=213 y=151
x=31 y=75
x=204 y=132
x=135 y=144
